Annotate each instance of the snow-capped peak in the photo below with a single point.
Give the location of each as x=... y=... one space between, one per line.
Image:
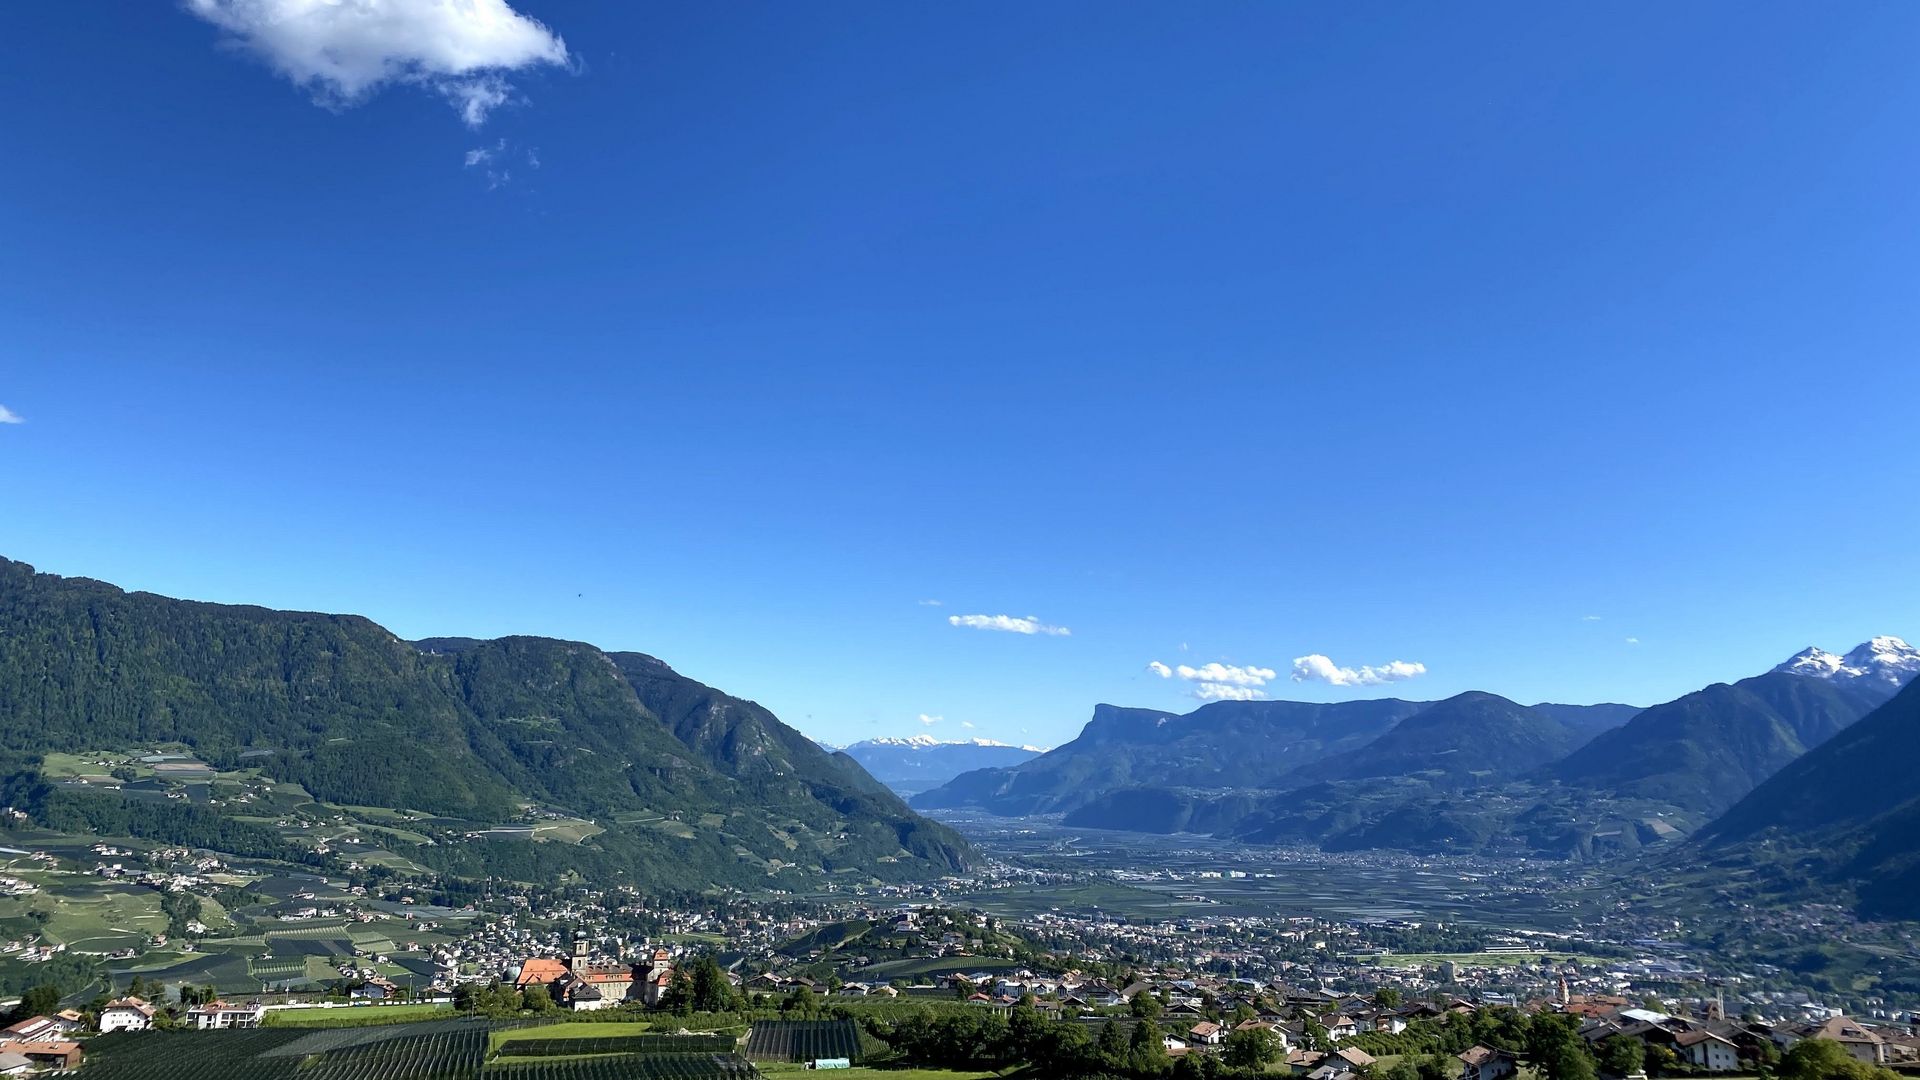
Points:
x=1885 y=660
x=927 y=742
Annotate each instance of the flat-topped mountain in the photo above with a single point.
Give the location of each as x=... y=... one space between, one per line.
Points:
x=478 y=731
x=1225 y=744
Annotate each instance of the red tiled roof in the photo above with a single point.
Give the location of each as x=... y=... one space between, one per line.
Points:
x=539 y=969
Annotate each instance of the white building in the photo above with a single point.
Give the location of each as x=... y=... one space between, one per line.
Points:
x=219 y=1014
x=126 y=1014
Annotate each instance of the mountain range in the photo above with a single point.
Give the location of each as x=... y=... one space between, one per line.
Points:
x=917 y=762
x=676 y=774
x=1475 y=772
x=1846 y=815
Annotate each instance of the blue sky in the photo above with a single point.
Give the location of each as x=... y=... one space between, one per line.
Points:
x=1568 y=354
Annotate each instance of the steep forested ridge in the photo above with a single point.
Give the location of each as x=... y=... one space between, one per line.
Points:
x=1847 y=815
x=467 y=729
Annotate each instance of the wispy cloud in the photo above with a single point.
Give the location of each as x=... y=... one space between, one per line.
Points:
x=968 y=724
x=931 y=603
x=1589 y=618
x=1029 y=624
x=8 y=416
x=929 y=721
x=1222 y=692
x=1633 y=641
x=343 y=53
x=496 y=162
x=1317 y=668
x=1219 y=682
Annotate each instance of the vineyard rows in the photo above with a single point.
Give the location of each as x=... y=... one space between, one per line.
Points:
x=628 y=1067
x=803 y=1040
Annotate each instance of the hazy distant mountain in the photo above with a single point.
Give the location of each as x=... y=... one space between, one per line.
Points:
x=1846 y=814
x=918 y=762
x=1223 y=745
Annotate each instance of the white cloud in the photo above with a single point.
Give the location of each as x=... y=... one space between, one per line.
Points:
x=931 y=603
x=1223 y=692
x=1229 y=674
x=1219 y=682
x=1633 y=641
x=1589 y=618
x=8 y=416
x=1317 y=668
x=344 y=51
x=968 y=724
x=1030 y=624
x=481 y=155
x=930 y=720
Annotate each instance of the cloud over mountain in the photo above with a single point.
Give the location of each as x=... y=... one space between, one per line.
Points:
x=1219 y=682
x=1318 y=668
x=343 y=53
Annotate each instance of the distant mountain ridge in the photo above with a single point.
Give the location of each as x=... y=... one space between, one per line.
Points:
x=1474 y=772
x=915 y=763
x=1224 y=744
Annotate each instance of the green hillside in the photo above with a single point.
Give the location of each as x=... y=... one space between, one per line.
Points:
x=470 y=731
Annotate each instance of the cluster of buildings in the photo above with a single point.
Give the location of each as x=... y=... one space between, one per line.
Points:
x=583 y=982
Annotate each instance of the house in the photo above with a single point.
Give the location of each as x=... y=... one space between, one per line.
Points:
x=1355 y=1058
x=1173 y=1045
x=1340 y=1026
x=219 y=1015
x=1862 y=1044
x=15 y=1064
x=35 y=1029
x=1206 y=1033
x=1705 y=1050
x=1483 y=1062
x=70 y=1021
x=126 y=1014
x=375 y=989
x=61 y=1054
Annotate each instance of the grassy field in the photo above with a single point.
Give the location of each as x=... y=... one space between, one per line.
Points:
x=579 y=1029
x=372 y=1014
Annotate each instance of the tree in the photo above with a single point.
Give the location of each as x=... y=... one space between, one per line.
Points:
x=1313 y=1035
x=1387 y=997
x=1145 y=1006
x=537 y=998
x=1404 y=1069
x=802 y=1001
x=1620 y=1055
x=1252 y=1048
x=1825 y=1059
x=40 y=1000
x=711 y=991
x=1112 y=1046
x=1146 y=1053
